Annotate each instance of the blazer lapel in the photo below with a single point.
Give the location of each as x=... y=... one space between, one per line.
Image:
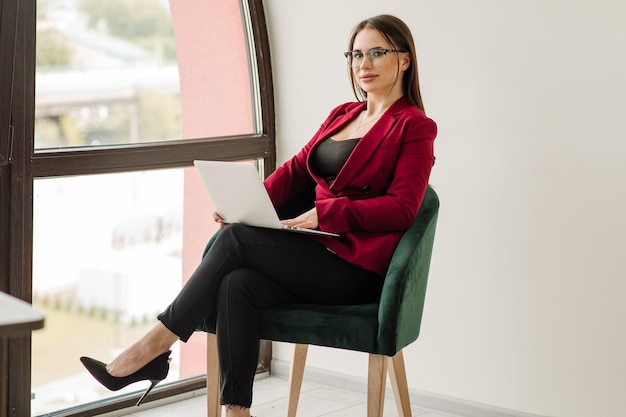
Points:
x=341 y=120
x=366 y=148
x=334 y=126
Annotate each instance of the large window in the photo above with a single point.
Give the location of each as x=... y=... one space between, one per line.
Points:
x=102 y=217
x=107 y=257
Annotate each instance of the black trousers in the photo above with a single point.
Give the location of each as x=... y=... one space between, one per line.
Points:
x=248 y=269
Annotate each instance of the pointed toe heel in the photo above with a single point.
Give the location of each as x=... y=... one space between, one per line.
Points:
x=155 y=372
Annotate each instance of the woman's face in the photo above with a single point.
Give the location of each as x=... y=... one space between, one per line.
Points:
x=382 y=76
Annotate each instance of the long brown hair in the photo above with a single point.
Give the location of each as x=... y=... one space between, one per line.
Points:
x=399 y=36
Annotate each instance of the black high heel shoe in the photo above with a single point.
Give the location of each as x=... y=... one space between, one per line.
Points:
x=155 y=372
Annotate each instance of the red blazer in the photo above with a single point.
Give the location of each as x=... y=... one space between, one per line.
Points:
x=377 y=193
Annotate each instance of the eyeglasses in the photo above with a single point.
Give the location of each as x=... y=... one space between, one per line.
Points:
x=375 y=55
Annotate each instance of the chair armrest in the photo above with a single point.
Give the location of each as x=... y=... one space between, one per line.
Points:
x=210 y=243
x=402 y=298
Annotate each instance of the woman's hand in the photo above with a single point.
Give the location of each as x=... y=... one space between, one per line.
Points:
x=307 y=220
x=218 y=219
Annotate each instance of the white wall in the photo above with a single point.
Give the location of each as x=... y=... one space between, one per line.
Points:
x=525 y=308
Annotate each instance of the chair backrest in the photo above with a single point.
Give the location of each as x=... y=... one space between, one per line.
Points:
x=402 y=299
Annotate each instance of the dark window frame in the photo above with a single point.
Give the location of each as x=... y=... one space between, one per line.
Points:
x=17 y=176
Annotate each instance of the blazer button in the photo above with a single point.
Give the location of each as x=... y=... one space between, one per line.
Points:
x=367 y=189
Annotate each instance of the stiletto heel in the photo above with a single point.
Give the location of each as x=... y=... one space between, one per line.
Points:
x=155 y=372
x=153 y=383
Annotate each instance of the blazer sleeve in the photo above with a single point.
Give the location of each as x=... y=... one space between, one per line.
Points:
x=394 y=207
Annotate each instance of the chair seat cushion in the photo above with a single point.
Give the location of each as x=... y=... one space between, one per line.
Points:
x=353 y=327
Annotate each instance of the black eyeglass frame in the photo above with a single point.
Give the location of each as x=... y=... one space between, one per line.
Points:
x=350 y=54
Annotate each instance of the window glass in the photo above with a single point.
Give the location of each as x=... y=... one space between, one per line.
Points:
x=107 y=257
x=120 y=72
x=110 y=252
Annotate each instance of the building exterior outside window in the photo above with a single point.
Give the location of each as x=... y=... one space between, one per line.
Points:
x=112 y=217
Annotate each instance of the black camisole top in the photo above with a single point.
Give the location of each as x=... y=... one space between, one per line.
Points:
x=330 y=156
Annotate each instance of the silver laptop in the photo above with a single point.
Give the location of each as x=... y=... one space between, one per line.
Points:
x=239 y=196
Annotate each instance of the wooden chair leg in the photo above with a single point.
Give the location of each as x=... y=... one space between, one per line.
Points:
x=296 y=374
x=214 y=409
x=376 y=380
x=397 y=375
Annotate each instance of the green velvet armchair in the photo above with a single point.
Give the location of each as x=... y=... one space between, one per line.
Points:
x=384 y=328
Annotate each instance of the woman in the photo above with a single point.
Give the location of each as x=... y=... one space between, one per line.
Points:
x=365 y=173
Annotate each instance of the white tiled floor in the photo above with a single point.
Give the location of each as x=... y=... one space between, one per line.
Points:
x=270 y=401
